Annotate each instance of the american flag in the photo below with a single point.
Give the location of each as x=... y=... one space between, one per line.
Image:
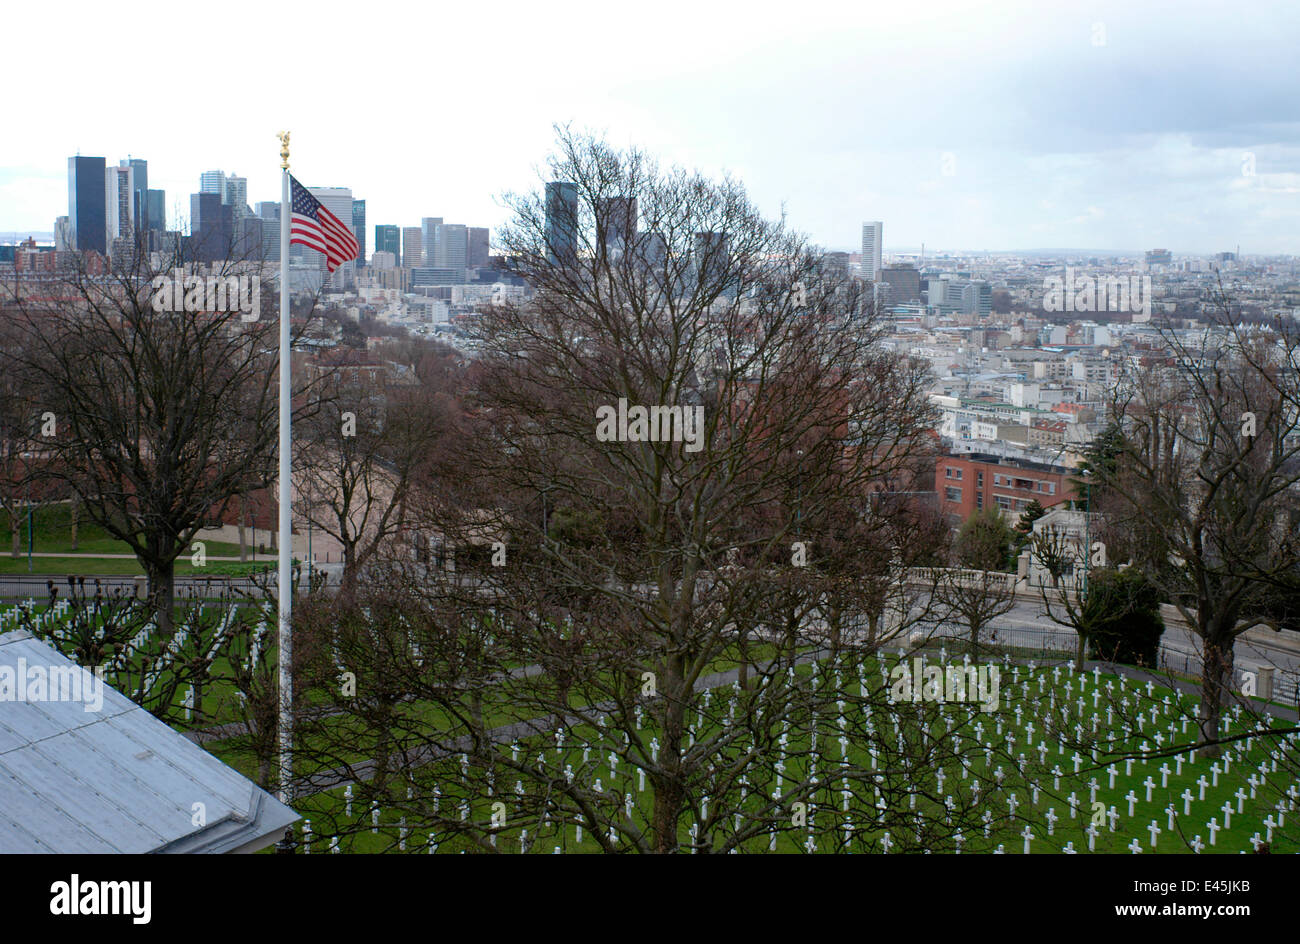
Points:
x=315 y=227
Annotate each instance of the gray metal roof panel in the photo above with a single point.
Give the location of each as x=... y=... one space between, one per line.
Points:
x=115 y=780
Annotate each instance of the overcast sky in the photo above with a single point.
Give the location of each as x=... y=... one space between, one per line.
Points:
x=974 y=126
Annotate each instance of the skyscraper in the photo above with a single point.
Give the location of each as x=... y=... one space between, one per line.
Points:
x=269 y=213
x=904 y=283
x=359 y=228
x=119 y=203
x=561 y=221
x=62 y=234
x=213 y=181
x=140 y=170
x=478 y=246
x=616 y=222
x=212 y=228
x=453 y=246
x=872 y=233
x=235 y=196
x=388 y=238
x=86 y=203
x=430 y=228
x=156 y=205
x=412 y=246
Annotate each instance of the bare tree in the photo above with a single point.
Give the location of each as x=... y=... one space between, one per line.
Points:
x=632 y=569
x=358 y=457
x=975 y=590
x=1207 y=460
x=163 y=395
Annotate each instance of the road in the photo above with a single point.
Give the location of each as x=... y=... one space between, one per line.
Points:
x=1028 y=625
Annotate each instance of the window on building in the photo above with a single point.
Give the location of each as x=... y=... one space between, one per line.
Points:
x=1003 y=502
x=952 y=494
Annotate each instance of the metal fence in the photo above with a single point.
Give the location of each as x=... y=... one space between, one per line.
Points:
x=37 y=587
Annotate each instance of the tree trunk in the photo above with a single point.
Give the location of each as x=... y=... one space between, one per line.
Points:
x=243 y=535
x=348 y=585
x=669 y=791
x=162 y=594
x=742 y=672
x=74 y=508
x=1216 y=680
x=15 y=523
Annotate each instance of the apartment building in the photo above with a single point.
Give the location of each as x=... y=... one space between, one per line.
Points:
x=969 y=483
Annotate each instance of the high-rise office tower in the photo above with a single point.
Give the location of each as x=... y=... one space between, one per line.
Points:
x=904 y=283
x=616 y=222
x=250 y=241
x=140 y=171
x=86 y=203
x=430 y=232
x=561 y=221
x=872 y=233
x=359 y=228
x=213 y=181
x=156 y=206
x=269 y=213
x=235 y=196
x=62 y=234
x=412 y=246
x=388 y=238
x=212 y=227
x=119 y=202
x=453 y=246
x=478 y=246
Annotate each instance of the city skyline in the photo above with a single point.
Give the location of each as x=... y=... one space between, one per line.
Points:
x=1016 y=131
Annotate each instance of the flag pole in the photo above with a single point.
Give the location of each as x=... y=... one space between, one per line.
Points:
x=285 y=586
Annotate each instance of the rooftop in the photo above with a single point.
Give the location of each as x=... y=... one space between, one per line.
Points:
x=116 y=779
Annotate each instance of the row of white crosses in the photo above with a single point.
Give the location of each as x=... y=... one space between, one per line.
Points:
x=25 y=612
x=887 y=842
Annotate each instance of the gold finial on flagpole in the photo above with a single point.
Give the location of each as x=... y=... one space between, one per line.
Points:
x=284 y=148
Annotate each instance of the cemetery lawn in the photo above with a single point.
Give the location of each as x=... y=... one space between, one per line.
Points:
x=1049 y=819
x=1031 y=694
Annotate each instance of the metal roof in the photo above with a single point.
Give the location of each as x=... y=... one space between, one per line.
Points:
x=74 y=780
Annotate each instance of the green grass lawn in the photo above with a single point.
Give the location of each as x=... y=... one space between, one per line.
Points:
x=1028 y=697
x=117 y=566
x=52 y=534
x=1048 y=817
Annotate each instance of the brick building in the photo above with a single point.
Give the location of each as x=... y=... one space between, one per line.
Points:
x=969 y=483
